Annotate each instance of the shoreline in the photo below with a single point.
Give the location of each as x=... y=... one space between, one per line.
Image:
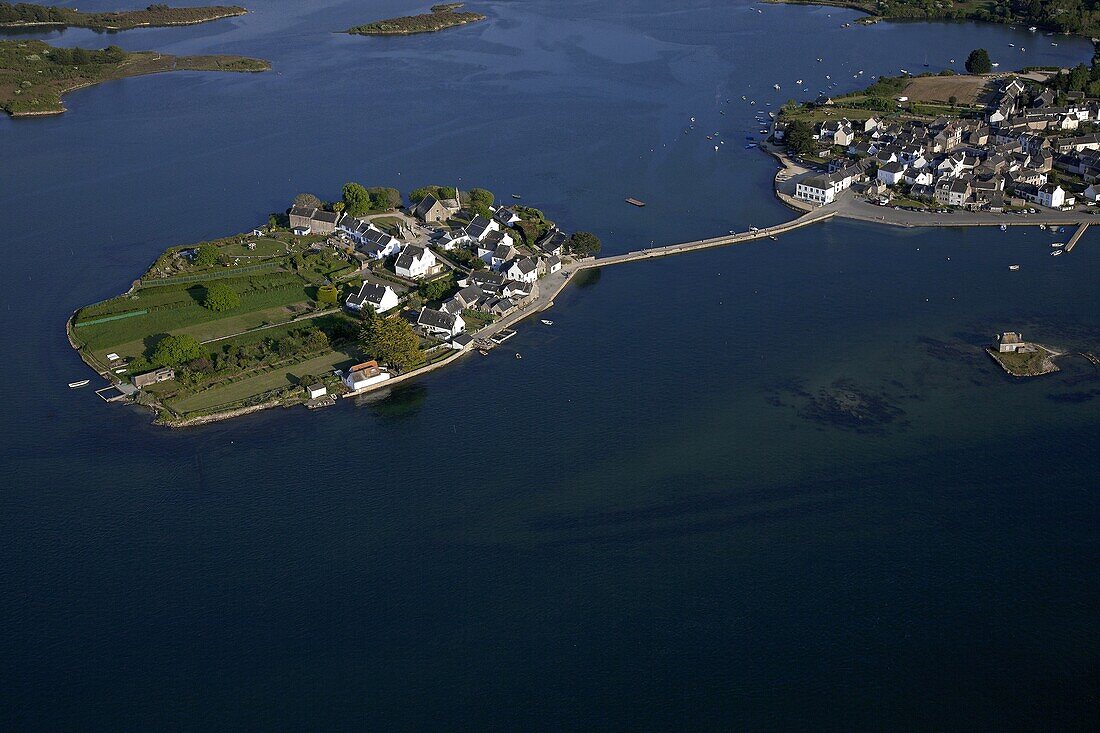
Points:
x=16 y=25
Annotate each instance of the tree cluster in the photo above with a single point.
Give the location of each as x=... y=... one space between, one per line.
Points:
x=175 y=350
x=390 y=340
x=584 y=244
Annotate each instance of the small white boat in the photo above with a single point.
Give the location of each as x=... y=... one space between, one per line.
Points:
x=1004 y=228
x=1033 y=29
x=546 y=322
x=798 y=81
x=1012 y=45
x=1014 y=267
x=1057 y=244
x=1056 y=252
x=81 y=383
x=995 y=64
x=775 y=86
x=1042 y=226
x=518 y=356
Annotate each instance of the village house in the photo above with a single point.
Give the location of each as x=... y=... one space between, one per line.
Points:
x=522 y=269
x=416 y=262
x=1052 y=196
x=374 y=242
x=381 y=298
x=440 y=323
x=315 y=391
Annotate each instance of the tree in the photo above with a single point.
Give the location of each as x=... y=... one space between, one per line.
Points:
x=220 y=297
x=480 y=201
x=436 y=289
x=978 y=62
x=327 y=294
x=390 y=340
x=440 y=192
x=584 y=244
x=307 y=199
x=952 y=100
x=799 y=137
x=175 y=350
x=81 y=56
x=206 y=255
x=113 y=54
x=356 y=199
x=1078 y=78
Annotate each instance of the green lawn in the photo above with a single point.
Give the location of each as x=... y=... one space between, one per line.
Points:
x=192 y=318
x=265 y=247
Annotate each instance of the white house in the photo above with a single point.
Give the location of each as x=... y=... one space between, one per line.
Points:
x=316 y=390
x=1052 y=196
x=816 y=190
x=480 y=227
x=891 y=173
x=439 y=323
x=379 y=297
x=364 y=375
x=372 y=240
x=1092 y=193
x=522 y=269
x=916 y=177
x=415 y=262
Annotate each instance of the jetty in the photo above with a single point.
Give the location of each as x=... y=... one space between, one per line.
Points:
x=1076 y=236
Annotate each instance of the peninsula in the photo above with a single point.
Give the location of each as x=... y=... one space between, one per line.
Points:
x=23 y=15
x=34 y=75
x=1062 y=16
x=441 y=17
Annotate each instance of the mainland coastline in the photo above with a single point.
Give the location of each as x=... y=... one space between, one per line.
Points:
x=28 y=15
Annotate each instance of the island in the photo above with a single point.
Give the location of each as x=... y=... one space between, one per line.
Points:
x=23 y=15
x=1022 y=359
x=442 y=16
x=326 y=300
x=1062 y=16
x=34 y=75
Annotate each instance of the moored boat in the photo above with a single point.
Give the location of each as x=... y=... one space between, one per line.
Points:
x=81 y=383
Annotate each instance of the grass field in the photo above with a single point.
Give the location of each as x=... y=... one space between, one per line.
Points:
x=263 y=382
x=966 y=89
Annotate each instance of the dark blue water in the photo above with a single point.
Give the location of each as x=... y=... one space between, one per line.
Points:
x=660 y=518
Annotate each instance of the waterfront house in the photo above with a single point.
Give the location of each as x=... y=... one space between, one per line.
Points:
x=318 y=221
x=553 y=242
x=440 y=323
x=553 y=264
x=381 y=298
x=891 y=173
x=521 y=269
x=316 y=390
x=364 y=375
x=141 y=381
x=415 y=262
x=461 y=341
x=815 y=189
x=506 y=216
x=1052 y=196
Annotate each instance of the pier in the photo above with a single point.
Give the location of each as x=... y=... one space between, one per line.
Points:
x=1076 y=235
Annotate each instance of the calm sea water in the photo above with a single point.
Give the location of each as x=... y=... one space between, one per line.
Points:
x=661 y=518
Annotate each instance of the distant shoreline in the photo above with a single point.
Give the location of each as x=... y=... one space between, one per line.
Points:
x=151 y=17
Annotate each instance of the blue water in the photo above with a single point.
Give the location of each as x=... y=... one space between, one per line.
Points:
x=657 y=519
